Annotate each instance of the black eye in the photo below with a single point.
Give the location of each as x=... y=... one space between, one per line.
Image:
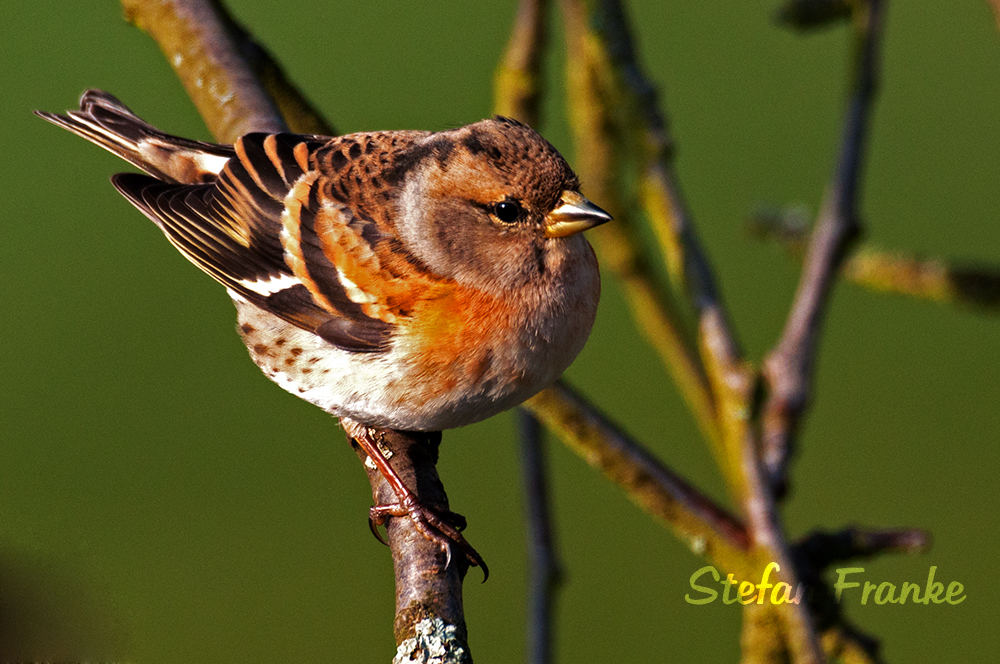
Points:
x=507 y=211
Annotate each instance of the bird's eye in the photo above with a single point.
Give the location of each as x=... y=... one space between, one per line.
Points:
x=507 y=211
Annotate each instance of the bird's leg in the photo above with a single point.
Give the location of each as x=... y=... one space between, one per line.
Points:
x=440 y=526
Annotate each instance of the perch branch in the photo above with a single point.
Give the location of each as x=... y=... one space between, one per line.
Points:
x=788 y=368
x=428 y=588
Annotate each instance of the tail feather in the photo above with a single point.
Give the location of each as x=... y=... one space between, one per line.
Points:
x=105 y=121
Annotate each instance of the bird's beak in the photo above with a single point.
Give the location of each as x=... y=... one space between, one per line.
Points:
x=573 y=214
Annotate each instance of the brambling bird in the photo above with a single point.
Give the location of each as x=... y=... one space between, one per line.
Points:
x=397 y=279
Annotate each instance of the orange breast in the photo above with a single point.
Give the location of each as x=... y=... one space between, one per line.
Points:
x=455 y=334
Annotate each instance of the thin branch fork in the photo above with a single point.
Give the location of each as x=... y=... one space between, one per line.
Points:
x=819 y=550
x=609 y=74
x=788 y=369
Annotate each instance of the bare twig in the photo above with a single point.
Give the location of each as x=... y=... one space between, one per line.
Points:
x=932 y=279
x=819 y=550
x=544 y=573
x=812 y=14
x=788 y=368
x=935 y=279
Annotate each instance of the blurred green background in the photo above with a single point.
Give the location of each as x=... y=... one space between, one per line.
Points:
x=161 y=501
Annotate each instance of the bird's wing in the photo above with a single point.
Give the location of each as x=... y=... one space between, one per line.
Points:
x=265 y=231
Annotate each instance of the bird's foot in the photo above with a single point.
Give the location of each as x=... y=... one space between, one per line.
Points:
x=442 y=527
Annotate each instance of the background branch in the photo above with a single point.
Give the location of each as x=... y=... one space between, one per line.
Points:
x=707 y=528
x=517 y=82
x=604 y=159
x=206 y=49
